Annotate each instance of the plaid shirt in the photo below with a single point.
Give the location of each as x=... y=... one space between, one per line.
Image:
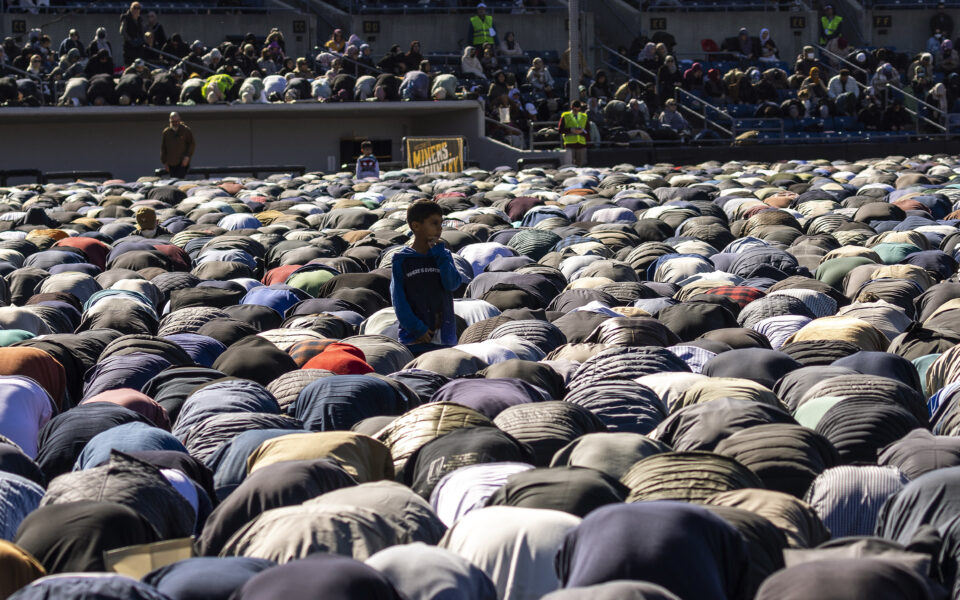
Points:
x=740 y=294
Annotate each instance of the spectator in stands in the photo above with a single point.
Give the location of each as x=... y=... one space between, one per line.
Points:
x=212 y=59
x=193 y=61
x=942 y=22
x=922 y=81
x=830 y=23
x=498 y=86
x=630 y=90
x=763 y=87
x=574 y=130
x=509 y=46
x=884 y=77
x=745 y=47
x=948 y=61
x=768 y=48
x=265 y=64
x=937 y=98
x=648 y=57
x=444 y=87
x=276 y=42
x=489 y=61
x=392 y=61
x=366 y=60
x=539 y=78
x=693 y=78
x=101 y=63
x=668 y=77
x=102 y=90
x=337 y=42
x=387 y=88
x=671 y=117
x=71 y=41
x=216 y=88
x=806 y=60
x=413 y=56
x=870 y=115
x=70 y=65
x=175 y=46
x=815 y=86
x=416 y=83
x=481 y=30
x=165 y=88
x=601 y=88
x=99 y=43
x=844 y=92
x=714 y=88
x=952 y=82
x=132 y=86
x=896 y=118
x=35 y=68
x=470 y=66
x=131 y=31
x=153 y=26
x=74 y=93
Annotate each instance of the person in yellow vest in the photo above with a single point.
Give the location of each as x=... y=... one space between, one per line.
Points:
x=575 y=132
x=481 y=29
x=829 y=25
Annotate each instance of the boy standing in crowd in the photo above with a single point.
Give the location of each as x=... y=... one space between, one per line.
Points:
x=422 y=284
x=367 y=165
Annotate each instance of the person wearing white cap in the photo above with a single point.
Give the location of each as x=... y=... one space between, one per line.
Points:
x=481 y=30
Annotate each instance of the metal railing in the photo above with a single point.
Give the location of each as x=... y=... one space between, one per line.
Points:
x=507 y=126
x=177 y=60
x=704 y=116
x=841 y=59
x=629 y=61
x=253 y=170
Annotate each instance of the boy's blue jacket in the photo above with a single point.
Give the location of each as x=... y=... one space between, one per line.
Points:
x=421 y=287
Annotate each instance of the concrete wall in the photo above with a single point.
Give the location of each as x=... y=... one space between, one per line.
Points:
x=689 y=28
x=910 y=30
x=126 y=141
x=447 y=32
x=211 y=29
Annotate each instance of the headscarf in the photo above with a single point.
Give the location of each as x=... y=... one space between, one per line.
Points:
x=815 y=74
x=146 y=219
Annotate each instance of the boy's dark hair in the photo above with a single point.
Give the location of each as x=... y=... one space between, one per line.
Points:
x=422 y=210
x=366 y=144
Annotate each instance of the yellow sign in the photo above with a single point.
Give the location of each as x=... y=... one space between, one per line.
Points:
x=433 y=155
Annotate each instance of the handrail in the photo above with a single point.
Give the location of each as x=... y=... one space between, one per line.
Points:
x=917 y=113
x=630 y=62
x=706 y=105
x=179 y=61
x=19 y=71
x=506 y=126
x=841 y=59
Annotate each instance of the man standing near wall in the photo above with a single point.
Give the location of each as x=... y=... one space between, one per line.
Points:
x=573 y=129
x=176 y=147
x=481 y=29
x=829 y=25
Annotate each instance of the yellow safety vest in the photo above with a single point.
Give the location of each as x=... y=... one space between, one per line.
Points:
x=574 y=121
x=481 y=30
x=829 y=27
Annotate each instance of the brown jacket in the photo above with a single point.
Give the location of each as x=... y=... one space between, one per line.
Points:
x=174 y=145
